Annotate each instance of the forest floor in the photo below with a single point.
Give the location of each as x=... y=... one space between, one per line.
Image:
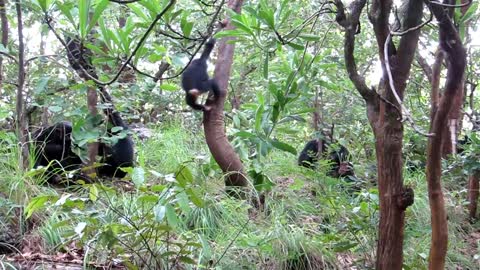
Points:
x=308 y=221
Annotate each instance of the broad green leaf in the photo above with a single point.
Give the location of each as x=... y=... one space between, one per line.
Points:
x=184 y=176
x=470 y=12
x=187 y=260
x=310 y=37
x=186 y=25
x=283 y=146
x=93 y=193
x=159 y=212
x=101 y=6
x=296 y=46
x=245 y=134
x=258 y=118
x=37 y=203
x=171 y=216
x=138 y=176
x=230 y=33
x=169 y=87
x=194 y=197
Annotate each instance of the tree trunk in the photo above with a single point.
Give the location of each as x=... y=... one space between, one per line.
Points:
x=385 y=118
x=4 y=23
x=222 y=151
x=449 y=42
x=473 y=187
x=21 y=124
x=92 y=148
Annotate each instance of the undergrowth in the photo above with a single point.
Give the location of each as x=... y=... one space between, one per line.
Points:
x=173 y=213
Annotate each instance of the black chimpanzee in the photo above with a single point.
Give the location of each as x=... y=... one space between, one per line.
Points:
x=54 y=143
x=341 y=167
x=195 y=80
x=119 y=154
x=311 y=153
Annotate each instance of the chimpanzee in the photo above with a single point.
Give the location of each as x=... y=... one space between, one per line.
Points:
x=461 y=144
x=341 y=167
x=54 y=143
x=195 y=80
x=310 y=153
x=120 y=154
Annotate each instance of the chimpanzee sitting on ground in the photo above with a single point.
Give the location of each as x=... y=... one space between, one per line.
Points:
x=313 y=151
x=54 y=143
x=120 y=154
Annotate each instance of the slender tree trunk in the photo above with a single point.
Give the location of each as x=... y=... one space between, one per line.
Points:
x=449 y=42
x=4 y=23
x=20 y=105
x=214 y=126
x=92 y=148
x=473 y=191
x=385 y=118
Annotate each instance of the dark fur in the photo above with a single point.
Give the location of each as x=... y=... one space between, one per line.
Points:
x=340 y=158
x=121 y=153
x=195 y=79
x=54 y=143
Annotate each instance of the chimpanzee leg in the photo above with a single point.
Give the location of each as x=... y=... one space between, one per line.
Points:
x=191 y=99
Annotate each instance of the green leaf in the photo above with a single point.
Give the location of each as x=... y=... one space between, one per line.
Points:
x=101 y=6
x=230 y=33
x=309 y=37
x=186 y=25
x=184 y=176
x=159 y=212
x=93 y=193
x=172 y=216
x=187 y=260
x=283 y=146
x=83 y=10
x=470 y=12
x=265 y=65
x=245 y=134
x=258 y=118
x=44 y=4
x=296 y=46
x=138 y=176
x=194 y=197
x=65 y=10
x=169 y=87
x=37 y=203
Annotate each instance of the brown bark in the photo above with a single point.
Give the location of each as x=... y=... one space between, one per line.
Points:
x=473 y=191
x=384 y=118
x=4 y=23
x=92 y=148
x=451 y=44
x=21 y=121
x=222 y=151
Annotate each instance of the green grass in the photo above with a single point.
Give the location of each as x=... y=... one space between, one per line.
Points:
x=310 y=221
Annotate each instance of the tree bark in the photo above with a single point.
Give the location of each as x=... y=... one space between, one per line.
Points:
x=21 y=124
x=384 y=118
x=473 y=191
x=4 y=23
x=214 y=127
x=449 y=42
